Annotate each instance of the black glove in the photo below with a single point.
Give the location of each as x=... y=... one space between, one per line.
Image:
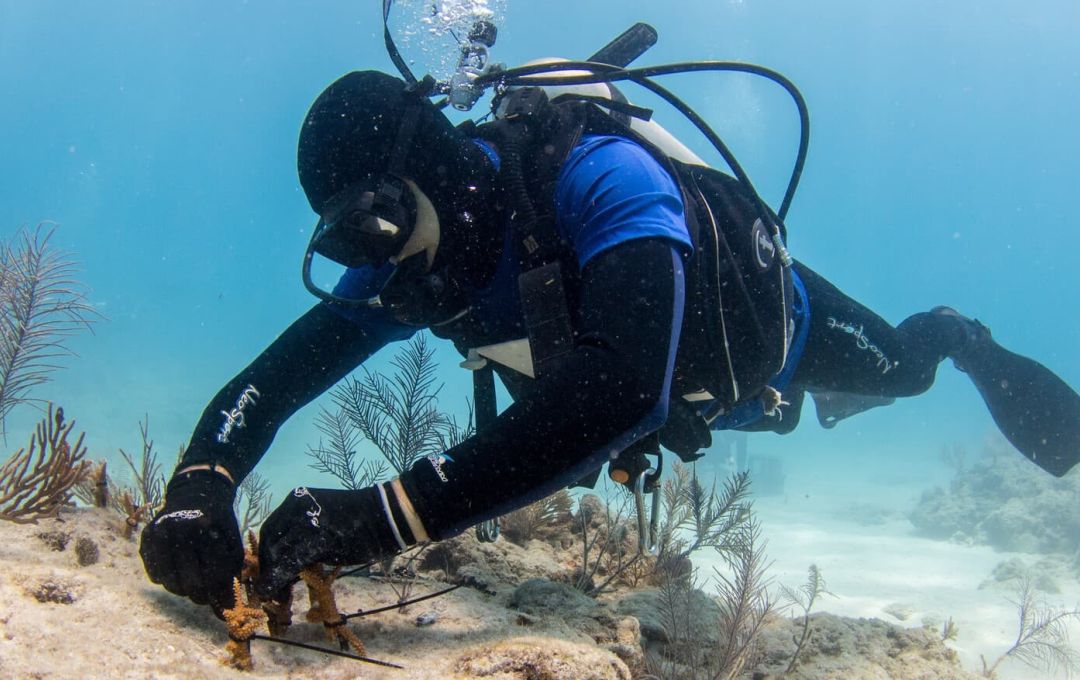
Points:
x=331 y=526
x=193 y=546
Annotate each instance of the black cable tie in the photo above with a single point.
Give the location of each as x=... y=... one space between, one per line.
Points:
x=627 y=108
x=324 y=650
x=356 y=570
x=406 y=603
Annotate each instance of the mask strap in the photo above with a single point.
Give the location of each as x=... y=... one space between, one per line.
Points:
x=410 y=120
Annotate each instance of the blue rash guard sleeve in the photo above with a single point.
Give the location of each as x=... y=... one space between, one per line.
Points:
x=610 y=191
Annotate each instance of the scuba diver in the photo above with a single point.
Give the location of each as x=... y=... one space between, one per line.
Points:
x=626 y=298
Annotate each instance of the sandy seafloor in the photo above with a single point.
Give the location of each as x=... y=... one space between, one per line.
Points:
x=121 y=626
x=872 y=559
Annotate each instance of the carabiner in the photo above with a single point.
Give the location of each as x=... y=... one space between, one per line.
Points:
x=647 y=526
x=488 y=530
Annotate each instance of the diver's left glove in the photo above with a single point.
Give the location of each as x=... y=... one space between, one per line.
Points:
x=193 y=546
x=331 y=526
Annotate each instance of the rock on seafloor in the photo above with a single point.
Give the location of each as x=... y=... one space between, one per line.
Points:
x=530 y=657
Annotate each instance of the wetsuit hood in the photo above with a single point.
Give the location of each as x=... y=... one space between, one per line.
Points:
x=370 y=141
x=350 y=133
x=352 y=127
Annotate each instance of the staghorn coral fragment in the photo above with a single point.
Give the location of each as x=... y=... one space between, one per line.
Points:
x=243 y=622
x=135 y=513
x=324 y=607
x=278 y=613
x=249 y=573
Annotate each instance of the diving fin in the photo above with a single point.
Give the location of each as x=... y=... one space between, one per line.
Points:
x=832 y=407
x=588 y=481
x=1035 y=410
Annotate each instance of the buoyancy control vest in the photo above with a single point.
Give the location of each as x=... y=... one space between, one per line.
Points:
x=738 y=321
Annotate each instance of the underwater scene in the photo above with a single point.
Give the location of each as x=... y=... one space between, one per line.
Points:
x=539 y=340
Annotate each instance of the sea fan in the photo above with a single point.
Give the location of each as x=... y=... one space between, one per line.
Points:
x=1043 y=639
x=399 y=413
x=41 y=306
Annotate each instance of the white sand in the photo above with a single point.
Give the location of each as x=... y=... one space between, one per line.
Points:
x=122 y=626
x=870 y=567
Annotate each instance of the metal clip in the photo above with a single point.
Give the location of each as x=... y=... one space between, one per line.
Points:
x=647 y=525
x=785 y=256
x=488 y=530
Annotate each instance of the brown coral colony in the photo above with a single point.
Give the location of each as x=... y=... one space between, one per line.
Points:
x=39 y=480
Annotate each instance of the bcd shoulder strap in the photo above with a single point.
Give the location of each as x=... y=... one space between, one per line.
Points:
x=533 y=139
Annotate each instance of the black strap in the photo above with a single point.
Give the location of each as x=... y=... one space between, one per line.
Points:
x=547 y=316
x=533 y=138
x=403 y=142
x=484 y=397
x=618 y=105
x=392 y=49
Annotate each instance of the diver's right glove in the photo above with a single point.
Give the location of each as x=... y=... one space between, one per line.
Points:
x=331 y=526
x=193 y=546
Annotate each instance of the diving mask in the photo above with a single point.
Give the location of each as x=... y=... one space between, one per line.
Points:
x=366 y=223
x=374 y=223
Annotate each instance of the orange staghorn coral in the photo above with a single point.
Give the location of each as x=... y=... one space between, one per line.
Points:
x=243 y=621
x=249 y=573
x=279 y=614
x=324 y=607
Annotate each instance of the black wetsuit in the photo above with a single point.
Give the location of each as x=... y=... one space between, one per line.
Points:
x=853 y=351
x=609 y=385
x=627 y=300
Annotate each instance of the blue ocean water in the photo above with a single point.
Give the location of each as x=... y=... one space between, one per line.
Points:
x=161 y=137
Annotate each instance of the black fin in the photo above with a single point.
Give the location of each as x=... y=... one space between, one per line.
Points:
x=588 y=481
x=832 y=407
x=1035 y=410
